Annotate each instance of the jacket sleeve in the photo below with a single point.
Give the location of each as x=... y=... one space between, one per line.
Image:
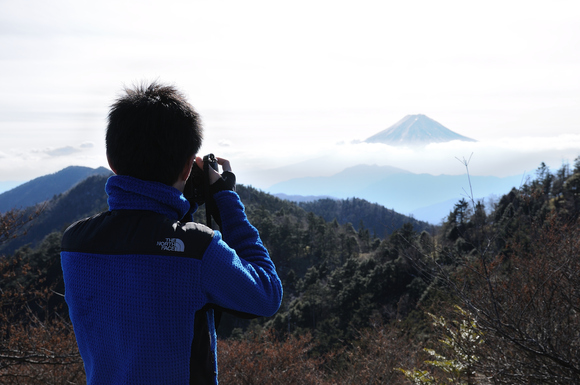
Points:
x=237 y=271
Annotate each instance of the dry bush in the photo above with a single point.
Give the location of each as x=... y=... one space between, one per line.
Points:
x=37 y=346
x=535 y=305
x=13 y=223
x=264 y=359
x=374 y=358
x=40 y=353
x=527 y=304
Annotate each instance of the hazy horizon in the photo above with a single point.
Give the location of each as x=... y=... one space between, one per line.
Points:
x=288 y=90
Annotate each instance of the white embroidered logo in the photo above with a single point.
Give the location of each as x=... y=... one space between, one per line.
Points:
x=172 y=244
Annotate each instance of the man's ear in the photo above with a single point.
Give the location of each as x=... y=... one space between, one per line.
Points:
x=111 y=165
x=184 y=175
x=187 y=169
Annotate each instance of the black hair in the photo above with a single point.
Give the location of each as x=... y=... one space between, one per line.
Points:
x=152 y=132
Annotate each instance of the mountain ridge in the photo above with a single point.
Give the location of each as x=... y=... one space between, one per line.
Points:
x=43 y=188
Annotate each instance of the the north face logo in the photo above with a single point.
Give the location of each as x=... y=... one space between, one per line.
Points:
x=171 y=244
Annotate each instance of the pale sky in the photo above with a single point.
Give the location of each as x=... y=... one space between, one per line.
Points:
x=288 y=89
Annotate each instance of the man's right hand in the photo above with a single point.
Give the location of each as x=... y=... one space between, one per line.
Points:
x=224 y=182
x=214 y=176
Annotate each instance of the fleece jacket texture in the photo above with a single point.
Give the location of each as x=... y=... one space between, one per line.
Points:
x=136 y=275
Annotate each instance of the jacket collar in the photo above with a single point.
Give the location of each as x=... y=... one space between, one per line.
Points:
x=128 y=193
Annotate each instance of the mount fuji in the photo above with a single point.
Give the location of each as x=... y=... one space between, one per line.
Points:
x=416 y=130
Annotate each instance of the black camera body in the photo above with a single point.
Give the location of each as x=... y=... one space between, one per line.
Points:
x=197 y=186
x=210 y=160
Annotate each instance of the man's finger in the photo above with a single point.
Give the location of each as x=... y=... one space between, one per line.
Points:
x=225 y=164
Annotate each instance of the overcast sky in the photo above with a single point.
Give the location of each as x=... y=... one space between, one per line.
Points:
x=297 y=83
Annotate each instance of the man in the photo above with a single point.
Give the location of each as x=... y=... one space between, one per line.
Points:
x=142 y=280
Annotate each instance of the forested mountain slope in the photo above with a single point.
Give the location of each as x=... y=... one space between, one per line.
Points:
x=84 y=199
x=379 y=220
x=46 y=187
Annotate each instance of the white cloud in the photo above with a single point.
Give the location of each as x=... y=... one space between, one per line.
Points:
x=22 y=164
x=62 y=151
x=225 y=143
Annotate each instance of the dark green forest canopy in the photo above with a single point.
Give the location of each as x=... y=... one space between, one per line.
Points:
x=380 y=221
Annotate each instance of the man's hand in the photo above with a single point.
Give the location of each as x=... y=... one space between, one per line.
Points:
x=214 y=176
x=224 y=182
x=217 y=182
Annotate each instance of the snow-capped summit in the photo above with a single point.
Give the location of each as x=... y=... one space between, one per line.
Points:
x=415 y=130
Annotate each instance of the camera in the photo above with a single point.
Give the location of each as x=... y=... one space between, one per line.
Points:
x=211 y=161
x=197 y=186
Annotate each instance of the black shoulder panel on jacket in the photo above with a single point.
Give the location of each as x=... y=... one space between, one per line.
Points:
x=137 y=232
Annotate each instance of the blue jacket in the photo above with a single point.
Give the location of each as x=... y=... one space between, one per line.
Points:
x=138 y=282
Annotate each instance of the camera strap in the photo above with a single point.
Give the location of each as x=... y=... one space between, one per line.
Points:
x=206 y=194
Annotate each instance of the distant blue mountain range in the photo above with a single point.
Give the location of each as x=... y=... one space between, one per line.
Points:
x=427 y=197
